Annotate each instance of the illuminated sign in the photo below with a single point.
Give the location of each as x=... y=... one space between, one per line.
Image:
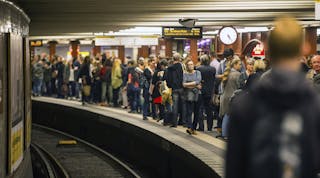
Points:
x=258 y=50
x=37 y=43
x=182 y=32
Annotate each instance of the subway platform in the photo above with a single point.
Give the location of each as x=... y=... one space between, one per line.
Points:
x=203 y=147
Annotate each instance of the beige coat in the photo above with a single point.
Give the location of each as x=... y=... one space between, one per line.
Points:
x=232 y=84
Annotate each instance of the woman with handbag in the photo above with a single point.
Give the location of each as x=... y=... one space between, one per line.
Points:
x=84 y=74
x=192 y=85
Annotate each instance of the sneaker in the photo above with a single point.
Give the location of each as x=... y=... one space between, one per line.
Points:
x=145 y=118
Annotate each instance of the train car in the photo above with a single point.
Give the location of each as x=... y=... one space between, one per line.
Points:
x=15 y=92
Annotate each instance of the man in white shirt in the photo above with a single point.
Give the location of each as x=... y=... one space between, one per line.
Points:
x=214 y=61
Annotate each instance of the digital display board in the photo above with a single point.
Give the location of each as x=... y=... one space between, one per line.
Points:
x=37 y=43
x=182 y=32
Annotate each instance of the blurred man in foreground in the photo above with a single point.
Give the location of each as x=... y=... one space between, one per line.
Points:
x=274 y=128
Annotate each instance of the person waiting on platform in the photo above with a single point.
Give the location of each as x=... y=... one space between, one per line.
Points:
x=84 y=75
x=192 y=87
x=145 y=86
x=174 y=79
x=116 y=81
x=259 y=68
x=274 y=130
x=231 y=83
x=205 y=99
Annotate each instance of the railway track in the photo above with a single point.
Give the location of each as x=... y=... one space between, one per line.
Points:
x=75 y=158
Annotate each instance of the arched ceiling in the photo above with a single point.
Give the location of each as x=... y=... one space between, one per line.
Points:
x=60 y=17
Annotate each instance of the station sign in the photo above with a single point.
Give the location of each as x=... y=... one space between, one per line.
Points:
x=182 y=32
x=36 y=43
x=258 y=50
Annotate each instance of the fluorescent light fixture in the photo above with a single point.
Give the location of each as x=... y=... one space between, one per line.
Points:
x=137 y=31
x=215 y=32
x=252 y=29
x=86 y=42
x=98 y=34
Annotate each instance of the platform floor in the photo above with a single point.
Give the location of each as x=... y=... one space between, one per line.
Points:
x=204 y=145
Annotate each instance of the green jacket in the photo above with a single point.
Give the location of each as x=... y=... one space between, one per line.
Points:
x=116 y=78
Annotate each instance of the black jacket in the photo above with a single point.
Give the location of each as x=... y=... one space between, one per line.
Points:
x=174 y=76
x=252 y=79
x=60 y=69
x=208 y=74
x=279 y=115
x=84 y=72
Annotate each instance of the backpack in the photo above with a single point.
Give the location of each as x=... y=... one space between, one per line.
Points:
x=105 y=74
x=143 y=83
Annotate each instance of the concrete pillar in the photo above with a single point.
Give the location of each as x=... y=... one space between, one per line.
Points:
x=121 y=53
x=194 y=50
x=96 y=50
x=143 y=51
x=52 y=48
x=75 y=48
x=135 y=53
x=310 y=41
x=168 y=43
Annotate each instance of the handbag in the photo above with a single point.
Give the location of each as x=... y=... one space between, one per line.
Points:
x=86 y=90
x=216 y=99
x=191 y=94
x=64 y=89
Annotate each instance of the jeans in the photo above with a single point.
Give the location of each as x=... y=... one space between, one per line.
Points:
x=205 y=102
x=103 y=91
x=146 y=103
x=47 y=88
x=37 y=84
x=106 y=92
x=60 y=82
x=115 y=97
x=134 y=97
x=53 y=86
x=167 y=109
x=216 y=116
x=72 y=89
x=192 y=107
x=124 y=97
x=225 y=125
x=177 y=96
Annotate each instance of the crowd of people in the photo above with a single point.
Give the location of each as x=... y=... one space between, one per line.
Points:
x=272 y=111
x=175 y=90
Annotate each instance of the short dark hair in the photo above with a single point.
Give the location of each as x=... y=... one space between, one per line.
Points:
x=163 y=62
x=228 y=52
x=131 y=62
x=151 y=60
